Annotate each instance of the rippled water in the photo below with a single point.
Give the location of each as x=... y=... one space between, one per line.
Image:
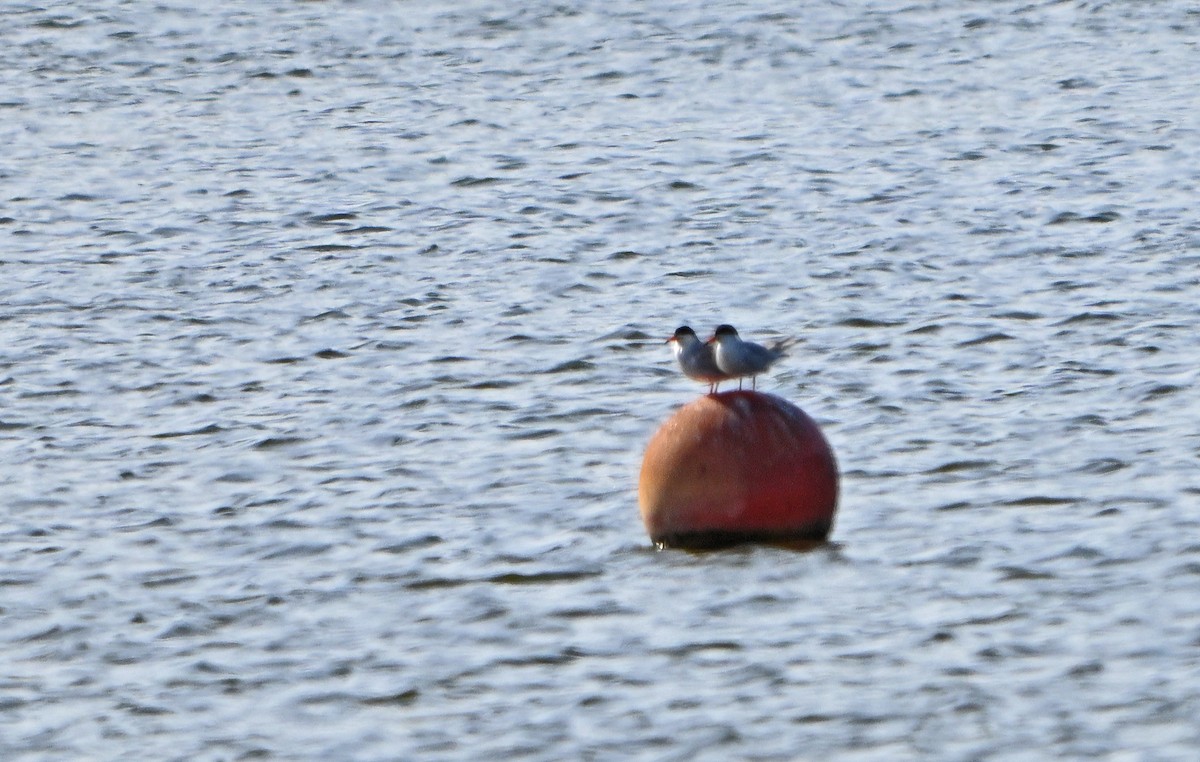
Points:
x=333 y=336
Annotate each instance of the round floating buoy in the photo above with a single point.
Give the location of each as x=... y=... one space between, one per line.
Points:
x=738 y=467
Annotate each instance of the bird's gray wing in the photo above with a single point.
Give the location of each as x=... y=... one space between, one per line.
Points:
x=781 y=347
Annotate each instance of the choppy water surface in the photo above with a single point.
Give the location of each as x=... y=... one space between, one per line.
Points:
x=333 y=336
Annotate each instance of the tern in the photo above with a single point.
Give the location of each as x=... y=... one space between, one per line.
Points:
x=696 y=358
x=736 y=358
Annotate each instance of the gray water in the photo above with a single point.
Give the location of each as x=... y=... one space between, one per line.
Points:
x=333 y=335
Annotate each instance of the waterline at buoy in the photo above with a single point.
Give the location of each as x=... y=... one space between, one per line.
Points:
x=737 y=467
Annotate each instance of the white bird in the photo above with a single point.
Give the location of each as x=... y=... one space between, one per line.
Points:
x=696 y=358
x=736 y=358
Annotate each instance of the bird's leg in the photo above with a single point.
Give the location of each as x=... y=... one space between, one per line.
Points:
x=739 y=384
x=754 y=382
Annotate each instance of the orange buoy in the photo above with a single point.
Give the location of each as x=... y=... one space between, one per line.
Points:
x=738 y=467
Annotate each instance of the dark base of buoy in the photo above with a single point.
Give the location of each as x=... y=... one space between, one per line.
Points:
x=719 y=539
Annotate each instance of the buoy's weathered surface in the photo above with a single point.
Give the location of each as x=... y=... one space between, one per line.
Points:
x=738 y=467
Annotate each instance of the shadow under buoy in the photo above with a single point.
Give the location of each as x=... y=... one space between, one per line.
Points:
x=738 y=467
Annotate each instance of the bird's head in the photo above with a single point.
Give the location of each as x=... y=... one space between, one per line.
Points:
x=682 y=335
x=724 y=330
